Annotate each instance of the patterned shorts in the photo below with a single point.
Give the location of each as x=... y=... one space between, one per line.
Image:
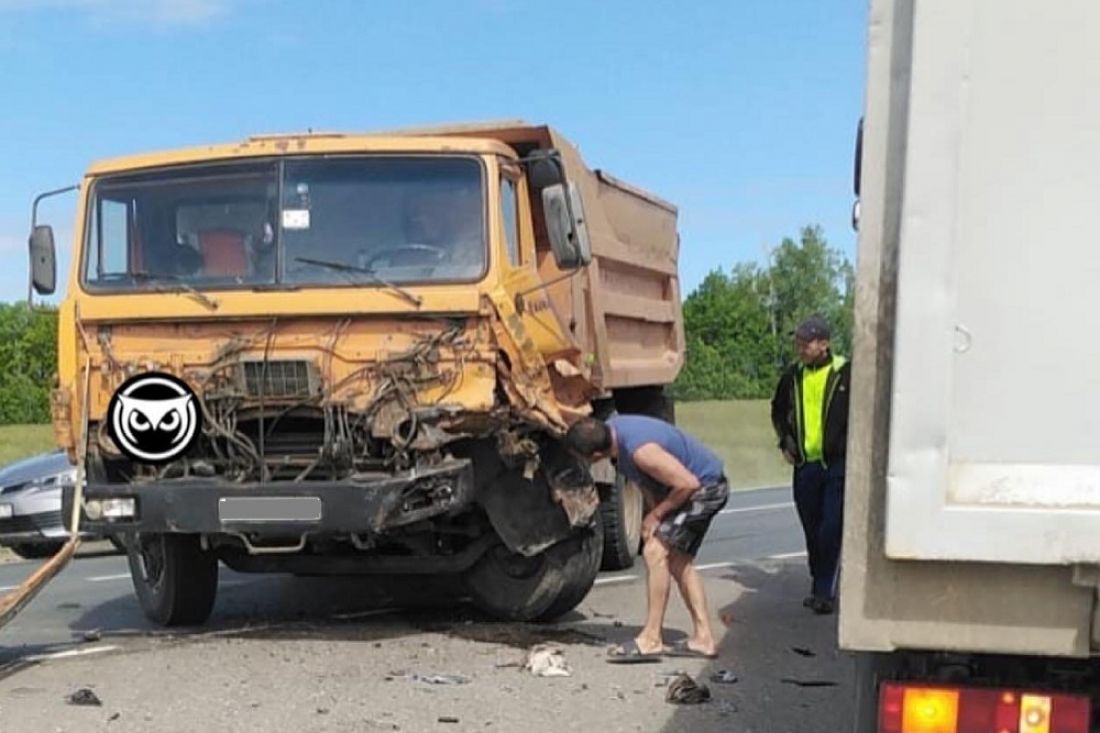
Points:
x=683 y=530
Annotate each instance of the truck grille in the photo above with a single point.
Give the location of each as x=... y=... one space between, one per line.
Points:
x=280 y=379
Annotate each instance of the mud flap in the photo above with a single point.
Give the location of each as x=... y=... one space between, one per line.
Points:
x=524 y=513
x=531 y=515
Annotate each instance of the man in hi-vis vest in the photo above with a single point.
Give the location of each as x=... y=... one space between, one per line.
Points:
x=810 y=415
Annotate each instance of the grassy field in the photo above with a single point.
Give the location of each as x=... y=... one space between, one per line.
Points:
x=20 y=441
x=739 y=431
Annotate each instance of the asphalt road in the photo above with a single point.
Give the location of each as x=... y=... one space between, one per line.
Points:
x=286 y=653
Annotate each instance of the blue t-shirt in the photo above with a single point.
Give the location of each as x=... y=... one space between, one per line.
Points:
x=634 y=431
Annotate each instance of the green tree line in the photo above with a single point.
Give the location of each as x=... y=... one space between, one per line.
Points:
x=28 y=360
x=737 y=326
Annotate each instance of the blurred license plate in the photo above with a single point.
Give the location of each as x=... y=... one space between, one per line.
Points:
x=269 y=509
x=5 y=511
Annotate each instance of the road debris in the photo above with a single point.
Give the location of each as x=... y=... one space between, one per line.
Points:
x=808 y=683
x=441 y=679
x=447 y=719
x=724 y=677
x=803 y=652
x=92 y=635
x=683 y=690
x=84 y=696
x=546 y=660
x=664 y=678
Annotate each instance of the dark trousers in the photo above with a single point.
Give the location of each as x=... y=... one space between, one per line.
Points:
x=819 y=496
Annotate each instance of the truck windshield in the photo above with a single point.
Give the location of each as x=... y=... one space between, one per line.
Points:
x=298 y=222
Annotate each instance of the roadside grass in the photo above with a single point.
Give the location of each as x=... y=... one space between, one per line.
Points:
x=22 y=441
x=740 y=431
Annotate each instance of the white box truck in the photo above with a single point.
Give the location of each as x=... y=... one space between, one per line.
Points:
x=971 y=561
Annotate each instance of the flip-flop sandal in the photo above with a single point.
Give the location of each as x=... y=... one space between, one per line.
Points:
x=681 y=649
x=629 y=653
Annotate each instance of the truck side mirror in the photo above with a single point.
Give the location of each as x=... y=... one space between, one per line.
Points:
x=565 y=225
x=43 y=260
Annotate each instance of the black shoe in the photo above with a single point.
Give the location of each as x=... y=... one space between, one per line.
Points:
x=808 y=601
x=823 y=606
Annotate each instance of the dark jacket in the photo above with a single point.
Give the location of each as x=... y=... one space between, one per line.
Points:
x=787 y=413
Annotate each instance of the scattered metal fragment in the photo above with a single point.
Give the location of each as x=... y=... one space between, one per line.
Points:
x=808 y=683
x=441 y=679
x=724 y=677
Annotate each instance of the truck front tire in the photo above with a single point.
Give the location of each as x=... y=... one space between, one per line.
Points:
x=176 y=581
x=540 y=588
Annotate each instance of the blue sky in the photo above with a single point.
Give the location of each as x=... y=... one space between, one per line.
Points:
x=742 y=112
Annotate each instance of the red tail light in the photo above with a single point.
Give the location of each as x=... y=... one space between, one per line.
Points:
x=924 y=708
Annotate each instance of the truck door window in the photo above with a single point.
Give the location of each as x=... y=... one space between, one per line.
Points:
x=511 y=221
x=111 y=223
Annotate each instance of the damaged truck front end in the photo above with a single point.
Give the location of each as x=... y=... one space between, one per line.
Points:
x=384 y=446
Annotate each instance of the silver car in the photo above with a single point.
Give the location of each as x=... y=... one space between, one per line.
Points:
x=30 y=504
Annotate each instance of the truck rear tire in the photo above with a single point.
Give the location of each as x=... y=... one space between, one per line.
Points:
x=176 y=581
x=540 y=588
x=651 y=401
x=621 y=514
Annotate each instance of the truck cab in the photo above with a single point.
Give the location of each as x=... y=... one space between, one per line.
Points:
x=348 y=354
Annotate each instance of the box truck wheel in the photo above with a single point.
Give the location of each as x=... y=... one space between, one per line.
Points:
x=621 y=512
x=175 y=579
x=540 y=588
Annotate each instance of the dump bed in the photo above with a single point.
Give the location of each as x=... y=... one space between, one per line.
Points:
x=973 y=498
x=624 y=309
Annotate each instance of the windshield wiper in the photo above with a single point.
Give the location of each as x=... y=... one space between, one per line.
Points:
x=344 y=267
x=161 y=284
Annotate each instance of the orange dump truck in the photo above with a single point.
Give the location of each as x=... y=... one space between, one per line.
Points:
x=356 y=354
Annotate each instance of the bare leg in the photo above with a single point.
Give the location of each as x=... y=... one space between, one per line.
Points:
x=682 y=568
x=658 y=581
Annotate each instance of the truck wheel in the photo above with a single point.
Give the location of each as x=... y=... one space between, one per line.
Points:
x=37 y=550
x=622 y=514
x=175 y=579
x=512 y=587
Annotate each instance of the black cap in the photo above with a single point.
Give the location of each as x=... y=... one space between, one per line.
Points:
x=811 y=329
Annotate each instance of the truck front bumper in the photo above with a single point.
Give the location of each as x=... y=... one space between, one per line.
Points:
x=372 y=505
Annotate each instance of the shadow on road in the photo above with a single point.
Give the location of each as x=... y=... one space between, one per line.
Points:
x=791 y=677
x=357 y=609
